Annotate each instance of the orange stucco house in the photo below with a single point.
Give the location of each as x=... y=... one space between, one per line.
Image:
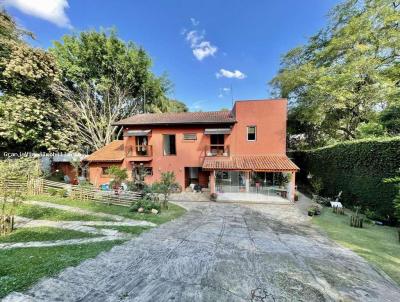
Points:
x=242 y=150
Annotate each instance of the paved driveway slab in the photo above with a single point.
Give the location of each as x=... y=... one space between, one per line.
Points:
x=221 y=252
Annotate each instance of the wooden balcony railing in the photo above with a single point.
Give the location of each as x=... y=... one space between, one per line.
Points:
x=217 y=150
x=139 y=150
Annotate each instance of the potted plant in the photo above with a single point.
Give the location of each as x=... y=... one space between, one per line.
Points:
x=213 y=196
x=118 y=175
x=316 y=184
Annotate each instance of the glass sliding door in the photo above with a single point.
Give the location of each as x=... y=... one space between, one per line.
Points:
x=230 y=181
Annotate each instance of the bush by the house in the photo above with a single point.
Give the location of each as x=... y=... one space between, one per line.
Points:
x=357 y=168
x=146 y=204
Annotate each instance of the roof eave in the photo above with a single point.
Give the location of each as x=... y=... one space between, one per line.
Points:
x=178 y=123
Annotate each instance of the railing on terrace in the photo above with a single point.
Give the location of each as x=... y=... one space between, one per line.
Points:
x=139 y=150
x=217 y=150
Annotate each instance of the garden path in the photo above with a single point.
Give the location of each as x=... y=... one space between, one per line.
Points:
x=82 y=226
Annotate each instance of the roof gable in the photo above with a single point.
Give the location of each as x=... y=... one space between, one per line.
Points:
x=113 y=152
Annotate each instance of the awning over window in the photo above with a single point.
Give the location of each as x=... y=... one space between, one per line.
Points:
x=217 y=131
x=137 y=132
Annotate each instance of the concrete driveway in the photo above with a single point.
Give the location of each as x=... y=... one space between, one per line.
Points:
x=222 y=252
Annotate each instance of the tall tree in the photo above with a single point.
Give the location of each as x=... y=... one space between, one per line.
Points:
x=346 y=73
x=30 y=109
x=105 y=79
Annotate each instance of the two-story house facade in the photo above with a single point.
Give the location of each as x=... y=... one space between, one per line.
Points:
x=242 y=150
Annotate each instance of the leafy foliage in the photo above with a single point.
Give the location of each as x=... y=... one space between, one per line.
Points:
x=20 y=169
x=118 y=174
x=344 y=74
x=390 y=119
x=147 y=204
x=105 y=79
x=30 y=108
x=356 y=168
x=166 y=186
x=396 y=201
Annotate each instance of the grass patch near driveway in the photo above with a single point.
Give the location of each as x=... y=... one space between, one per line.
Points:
x=43 y=213
x=43 y=234
x=173 y=211
x=377 y=244
x=22 y=267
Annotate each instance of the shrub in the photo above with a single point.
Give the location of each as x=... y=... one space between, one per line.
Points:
x=118 y=174
x=356 y=168
x=147 y=204
x=316 y=184
x=165 y=186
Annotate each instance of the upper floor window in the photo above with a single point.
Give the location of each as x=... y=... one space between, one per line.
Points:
x=189 y=136
x=251 y=133
x=169 y=144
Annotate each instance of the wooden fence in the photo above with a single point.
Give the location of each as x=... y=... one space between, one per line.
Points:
x=39 y=186
x=123 y=198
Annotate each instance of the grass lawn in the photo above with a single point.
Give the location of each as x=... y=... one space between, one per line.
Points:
x=20 y=268
x=42 y=213
x=43 y=234
x=377 y=244
x=173 y=212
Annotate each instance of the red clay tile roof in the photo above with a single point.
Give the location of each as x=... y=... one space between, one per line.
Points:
x=251 y=162
x=113 y=152
x=213 y=117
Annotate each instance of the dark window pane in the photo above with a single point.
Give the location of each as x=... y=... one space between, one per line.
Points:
x=169 y=144
x=172 y=144
x=251 y=133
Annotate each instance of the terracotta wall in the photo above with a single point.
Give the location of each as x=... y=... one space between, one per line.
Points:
x=96 y=176
x=67 y=169
x=269 y=116
x=188 y=153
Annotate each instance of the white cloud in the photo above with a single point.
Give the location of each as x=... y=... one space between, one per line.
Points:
x=226 y=89
x=194 y=37
x=194 y=21
x=50 y=10
x=201 y=48
x=237 y=74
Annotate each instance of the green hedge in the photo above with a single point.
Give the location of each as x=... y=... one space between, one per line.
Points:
x=357 y=168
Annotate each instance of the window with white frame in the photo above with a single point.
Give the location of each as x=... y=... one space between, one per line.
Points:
x=189 y=136
x=251 y=133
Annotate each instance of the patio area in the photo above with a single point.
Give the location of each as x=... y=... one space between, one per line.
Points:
x=250 y=197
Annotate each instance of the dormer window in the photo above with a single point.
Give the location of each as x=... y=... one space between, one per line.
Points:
x=251 y=133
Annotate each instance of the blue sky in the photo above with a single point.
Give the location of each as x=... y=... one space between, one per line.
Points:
x=205 y=46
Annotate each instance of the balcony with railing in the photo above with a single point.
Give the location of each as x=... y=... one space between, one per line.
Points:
x=139 y=151
x=217 y=150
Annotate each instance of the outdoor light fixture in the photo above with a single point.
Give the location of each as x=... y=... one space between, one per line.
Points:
x=309 y=176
